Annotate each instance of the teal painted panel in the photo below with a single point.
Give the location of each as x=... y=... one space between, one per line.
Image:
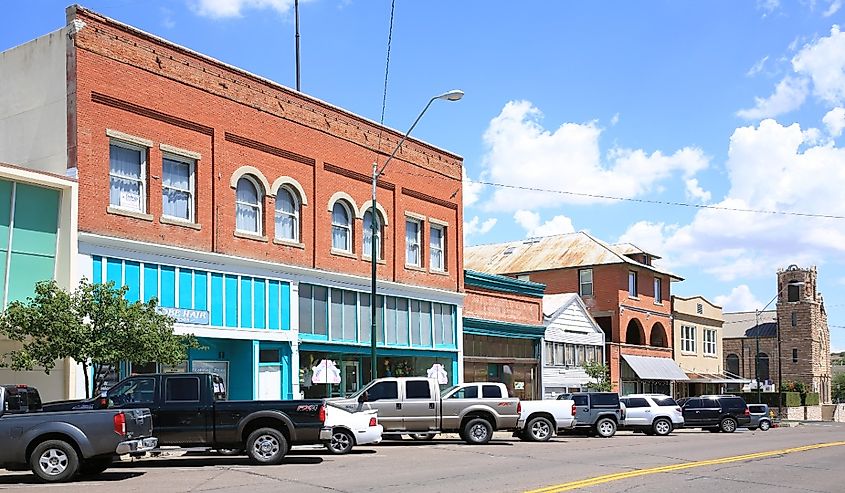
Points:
x=231 y=286
x=133 y=280
x=24 y=271
x=285 y=306
x=273 y=305
x=97 y=268
x=114 y=271
x=246 y=302
x=36 y=220
x=168 y=286
x=200 y=290
x=186 y=288
x=150 y=281
x=5 y=213
x=217 y=299
x=259 y=314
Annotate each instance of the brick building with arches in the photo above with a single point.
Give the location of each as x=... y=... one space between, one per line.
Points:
x=629 y=298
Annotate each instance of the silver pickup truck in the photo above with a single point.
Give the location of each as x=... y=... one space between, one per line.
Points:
x=417 y=406
x=57 y=446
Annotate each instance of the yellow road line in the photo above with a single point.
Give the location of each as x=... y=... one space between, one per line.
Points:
x=584 y=483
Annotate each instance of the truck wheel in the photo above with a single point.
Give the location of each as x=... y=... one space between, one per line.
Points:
x=423 y=437
x=606 y=427
x=477 y=431
x=266 y=446
x=95 y=465
x=539 y=429
x=54 y=461
x=662 y=427
x=765 y=425
x=728 y=425
x=341 y=443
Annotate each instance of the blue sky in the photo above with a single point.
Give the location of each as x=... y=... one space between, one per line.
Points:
x=719 y=103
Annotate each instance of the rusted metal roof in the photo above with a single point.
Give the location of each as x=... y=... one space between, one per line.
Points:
x=631 y=249
x=550 y=252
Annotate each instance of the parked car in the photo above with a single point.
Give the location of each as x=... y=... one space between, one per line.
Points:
x=715 y=412
x=539 y=420
x=652 y=414
x=189 y=410
x=57 y=446
x=761 y=417
x=349 y=429
x=416 y=406
x=598 y=413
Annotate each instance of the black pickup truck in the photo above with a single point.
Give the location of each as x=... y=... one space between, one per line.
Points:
x=190 y=410
x=58 y=445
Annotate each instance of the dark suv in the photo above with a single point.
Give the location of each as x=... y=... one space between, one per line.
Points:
x=597 y=413
x=715 y=412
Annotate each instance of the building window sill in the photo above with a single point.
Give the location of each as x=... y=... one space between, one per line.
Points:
x=415 y=267
x=129 y=213
x=175 y=221
x=344 y=253
x=250 y=236
x=658 y=303
x=689 y=353
x=289 y=243
x=381 y=261
x=633 y=297
x=439 y=272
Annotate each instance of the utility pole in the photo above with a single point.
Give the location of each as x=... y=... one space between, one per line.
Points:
x=296 y=11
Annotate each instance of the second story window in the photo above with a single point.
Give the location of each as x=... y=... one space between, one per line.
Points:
x=287 y=215
x=248 y=206
x=368 y=235
x=585 y=282
x=658 y=290
x=412 y=242
x=177 y=188
x=127 y=176
x=437 y=241
x=632 y=284
x=687 y=339
x=710 y=342
x=341 y=227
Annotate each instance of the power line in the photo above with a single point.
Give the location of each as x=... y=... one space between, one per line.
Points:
x=386 y=74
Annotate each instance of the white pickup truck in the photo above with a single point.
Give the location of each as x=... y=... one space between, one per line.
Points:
x=540 y=420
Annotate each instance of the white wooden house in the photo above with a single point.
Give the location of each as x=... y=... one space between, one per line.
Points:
x=571 y=339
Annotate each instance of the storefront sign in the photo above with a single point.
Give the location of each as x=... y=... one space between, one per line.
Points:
x=185 y=316
x=519 y=385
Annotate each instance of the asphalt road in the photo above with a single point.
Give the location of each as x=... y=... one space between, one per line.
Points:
x=507 y=465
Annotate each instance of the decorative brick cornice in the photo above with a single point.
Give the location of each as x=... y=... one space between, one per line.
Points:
x=269 y=149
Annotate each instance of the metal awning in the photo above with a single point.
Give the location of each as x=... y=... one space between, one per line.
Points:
x=715 y=378
x=651 y=368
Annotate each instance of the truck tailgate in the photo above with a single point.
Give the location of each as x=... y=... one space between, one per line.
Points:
x=138 y=422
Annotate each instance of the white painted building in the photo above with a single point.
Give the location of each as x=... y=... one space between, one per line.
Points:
x=572 y=338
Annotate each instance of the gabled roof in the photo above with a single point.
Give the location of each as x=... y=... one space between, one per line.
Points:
x=744 y=324
x=554 y=305
x=631 y=249
x=548 y=253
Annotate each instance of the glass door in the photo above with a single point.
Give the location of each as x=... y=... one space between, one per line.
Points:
x=349 y=377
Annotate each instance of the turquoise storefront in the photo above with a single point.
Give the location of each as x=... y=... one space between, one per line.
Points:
x=243 y=321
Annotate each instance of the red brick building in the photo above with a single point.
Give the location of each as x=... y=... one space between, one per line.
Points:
x=627 y=295
x=244 y=207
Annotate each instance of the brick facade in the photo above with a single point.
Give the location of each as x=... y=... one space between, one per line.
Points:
x=501 y=306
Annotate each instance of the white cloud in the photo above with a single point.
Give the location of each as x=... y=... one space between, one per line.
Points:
x=530 y=221
x=740 y=299
x=471 y=189
x=768 y=6
x=476 y=227
x=789 y=95
x=757 y=67
x=824 y=62
x=695 y=192
x=834 y=120
x=232 y=8
x=614 y=119
x=520 y=151
x=834 y=7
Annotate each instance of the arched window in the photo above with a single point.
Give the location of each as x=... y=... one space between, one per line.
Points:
x=763 y=366
x=634 y=334
x=287 y=215
x=248 y=206
x=341 y=227
x=732 y=365
x=658 y=335
x=368 y=235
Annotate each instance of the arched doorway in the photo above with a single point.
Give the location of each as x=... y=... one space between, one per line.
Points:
x=635 y=334
x=658 y=335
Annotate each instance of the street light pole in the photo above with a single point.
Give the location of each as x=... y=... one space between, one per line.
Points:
x=453 y=95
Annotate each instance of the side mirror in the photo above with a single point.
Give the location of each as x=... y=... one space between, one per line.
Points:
x=363 y=398
x=103 y=401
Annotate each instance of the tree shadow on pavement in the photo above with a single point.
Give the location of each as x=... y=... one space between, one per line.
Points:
x=211 y=462
x=24 y=478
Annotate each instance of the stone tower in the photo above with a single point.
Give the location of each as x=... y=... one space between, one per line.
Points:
x=804 y=334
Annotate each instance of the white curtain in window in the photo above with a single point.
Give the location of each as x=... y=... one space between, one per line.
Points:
x=287 y=215
x=176 y=189
x=125 y=170
x=368 y=235
x=248 y=207
x=436 y=248
x=412 y=242
x=340 y=227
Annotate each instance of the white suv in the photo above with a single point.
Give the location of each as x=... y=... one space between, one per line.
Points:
x=653 y=414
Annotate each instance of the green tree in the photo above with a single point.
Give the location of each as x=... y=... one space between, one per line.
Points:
x=599 y=373
x=838 y=389
x=94 y=325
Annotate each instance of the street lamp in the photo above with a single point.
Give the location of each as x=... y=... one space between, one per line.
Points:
x=757 y=338
x=453 y=95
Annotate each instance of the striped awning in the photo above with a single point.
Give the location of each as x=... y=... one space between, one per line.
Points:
x=651 y=368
